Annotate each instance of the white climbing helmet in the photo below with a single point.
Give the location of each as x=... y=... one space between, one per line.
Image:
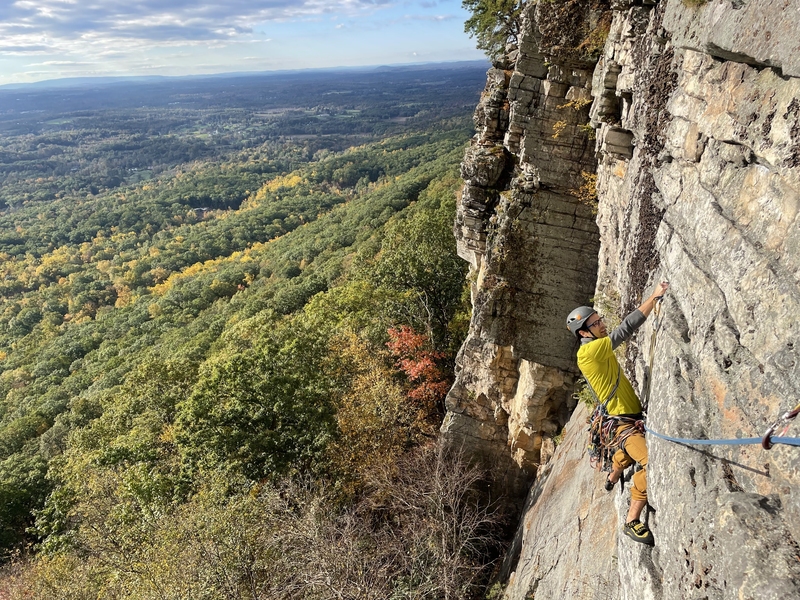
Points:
x=577 y=318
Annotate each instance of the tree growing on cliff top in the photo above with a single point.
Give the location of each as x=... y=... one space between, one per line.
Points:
x=494 y=23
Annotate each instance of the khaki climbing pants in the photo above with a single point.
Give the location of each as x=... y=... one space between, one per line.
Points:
x=635 y=450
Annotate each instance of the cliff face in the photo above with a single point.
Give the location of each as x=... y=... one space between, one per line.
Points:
x=693 y=131
x=533 y=248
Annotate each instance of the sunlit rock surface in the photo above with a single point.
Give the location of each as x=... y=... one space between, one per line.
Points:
x=695 y=110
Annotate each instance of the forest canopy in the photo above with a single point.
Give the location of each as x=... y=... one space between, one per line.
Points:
x=220 y=354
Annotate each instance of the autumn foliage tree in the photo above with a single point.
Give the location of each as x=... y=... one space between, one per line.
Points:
x=428 y=381
x=374 y=423
x=418 y=261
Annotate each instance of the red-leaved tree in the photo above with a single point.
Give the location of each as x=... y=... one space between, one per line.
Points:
x=428 y=382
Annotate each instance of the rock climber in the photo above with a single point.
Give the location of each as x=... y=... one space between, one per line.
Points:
x=604 y=375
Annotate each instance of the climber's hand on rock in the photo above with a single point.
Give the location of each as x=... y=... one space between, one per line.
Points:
x=647 y=305
x=661 y=289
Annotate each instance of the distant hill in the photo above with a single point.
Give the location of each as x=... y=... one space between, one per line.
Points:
x=95 y=82
x=26 y=107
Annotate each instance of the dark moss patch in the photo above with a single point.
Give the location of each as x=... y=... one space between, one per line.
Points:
x=659 y=81
x=766 y=127
x=793 y=160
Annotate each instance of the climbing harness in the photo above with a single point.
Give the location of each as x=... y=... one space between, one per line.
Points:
x=607 y=433
x=783 y=422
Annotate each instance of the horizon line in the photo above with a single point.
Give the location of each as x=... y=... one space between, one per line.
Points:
x=66 y=81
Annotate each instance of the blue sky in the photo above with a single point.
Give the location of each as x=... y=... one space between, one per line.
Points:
x=49 y=39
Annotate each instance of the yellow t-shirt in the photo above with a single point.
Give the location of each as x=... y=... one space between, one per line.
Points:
x=599 y=366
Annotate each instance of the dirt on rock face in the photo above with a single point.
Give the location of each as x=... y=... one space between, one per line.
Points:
x=690 y=121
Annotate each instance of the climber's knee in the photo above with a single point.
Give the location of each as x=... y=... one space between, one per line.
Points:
x=636 y=448
x=621 y=460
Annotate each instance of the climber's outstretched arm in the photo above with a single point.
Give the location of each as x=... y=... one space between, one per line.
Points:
x=635 y=320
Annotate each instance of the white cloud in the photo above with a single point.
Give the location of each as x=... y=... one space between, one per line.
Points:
x=59 y=63
x=431 y=17
x=23 y=49
x=63 y=37
x=61 y=24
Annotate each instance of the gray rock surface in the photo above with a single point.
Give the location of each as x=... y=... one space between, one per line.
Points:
x=532 y=246
x=571 y=554
x=696 y=111
x=760 y=33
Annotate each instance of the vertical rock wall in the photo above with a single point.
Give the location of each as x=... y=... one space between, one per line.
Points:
x=696 y=108
x=532 y=245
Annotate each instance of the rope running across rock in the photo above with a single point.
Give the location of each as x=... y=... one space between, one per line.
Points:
x=767 y=441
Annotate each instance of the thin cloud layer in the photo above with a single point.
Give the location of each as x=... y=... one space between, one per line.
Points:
x=47 y=39
x=56 y=25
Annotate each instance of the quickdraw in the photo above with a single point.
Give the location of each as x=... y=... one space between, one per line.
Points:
x=783 y=423
x=599 y=452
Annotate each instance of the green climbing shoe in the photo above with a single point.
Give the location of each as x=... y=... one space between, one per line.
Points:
x=638 y=532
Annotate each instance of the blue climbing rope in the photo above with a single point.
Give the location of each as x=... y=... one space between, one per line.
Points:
x=766 y=441
x=789 y=441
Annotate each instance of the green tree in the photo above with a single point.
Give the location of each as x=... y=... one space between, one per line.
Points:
x=260 y=411
x=493 y=23
x=22 y=485
x=418 y=259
